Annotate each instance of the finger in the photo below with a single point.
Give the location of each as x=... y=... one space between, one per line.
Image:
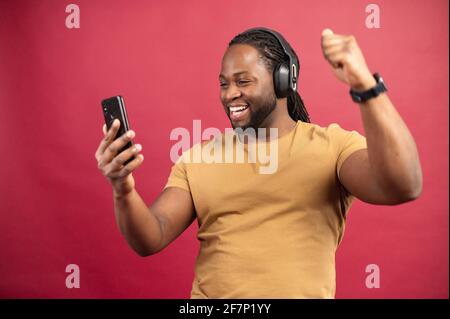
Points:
x=337 y=59
x=114 y=148
x=129 y=168
x=97 y=151
x=109 y=137
x=331 y=42
x=124 y=156
x=327 y=32
x=334 y=50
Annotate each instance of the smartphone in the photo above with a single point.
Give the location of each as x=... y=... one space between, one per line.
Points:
x=114 y=108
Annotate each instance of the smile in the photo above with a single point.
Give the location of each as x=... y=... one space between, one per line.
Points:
x=238 y=112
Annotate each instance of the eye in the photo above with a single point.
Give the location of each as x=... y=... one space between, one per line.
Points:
x=242 y=82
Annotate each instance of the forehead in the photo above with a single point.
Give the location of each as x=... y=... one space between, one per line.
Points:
x=242 y=58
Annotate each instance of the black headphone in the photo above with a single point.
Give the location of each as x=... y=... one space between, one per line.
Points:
x=285 y=76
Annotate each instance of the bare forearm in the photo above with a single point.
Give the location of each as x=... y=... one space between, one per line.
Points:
x=392 y=151
x=139 y=226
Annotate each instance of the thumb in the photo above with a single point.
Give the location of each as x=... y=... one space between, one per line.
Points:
x=326 y=32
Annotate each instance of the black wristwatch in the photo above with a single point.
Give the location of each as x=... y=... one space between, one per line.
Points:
x=361 y=97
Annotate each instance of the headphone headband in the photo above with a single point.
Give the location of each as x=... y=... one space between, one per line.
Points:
x=294 y=66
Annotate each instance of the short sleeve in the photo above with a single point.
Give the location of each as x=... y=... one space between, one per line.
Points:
x=346 y=143
x=178 y=176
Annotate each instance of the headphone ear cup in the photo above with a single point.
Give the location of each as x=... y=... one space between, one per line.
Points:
x=281 y=80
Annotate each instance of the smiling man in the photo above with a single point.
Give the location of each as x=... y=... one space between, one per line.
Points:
x=273 y=235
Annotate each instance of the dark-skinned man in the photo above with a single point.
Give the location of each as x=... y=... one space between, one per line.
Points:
x=272 y=235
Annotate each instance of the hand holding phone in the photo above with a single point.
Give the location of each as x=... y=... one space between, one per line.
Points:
x=117 y=156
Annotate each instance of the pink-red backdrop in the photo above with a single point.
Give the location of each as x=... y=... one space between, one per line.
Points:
x=164 y=58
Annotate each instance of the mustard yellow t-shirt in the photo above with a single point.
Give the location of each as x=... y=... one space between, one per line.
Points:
x=270 y=235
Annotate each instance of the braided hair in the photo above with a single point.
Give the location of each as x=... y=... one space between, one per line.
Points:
x=272 y=53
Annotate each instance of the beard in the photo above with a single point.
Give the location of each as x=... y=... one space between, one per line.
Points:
x=259 y=111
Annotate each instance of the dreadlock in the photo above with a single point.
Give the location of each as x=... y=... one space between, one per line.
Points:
x=272 y=53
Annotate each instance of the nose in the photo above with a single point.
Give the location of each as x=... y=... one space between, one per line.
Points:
x=231 y=93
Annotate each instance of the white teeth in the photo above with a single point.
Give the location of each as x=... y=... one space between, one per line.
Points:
x=238 y=108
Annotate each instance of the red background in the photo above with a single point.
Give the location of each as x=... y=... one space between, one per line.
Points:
x=164 y=58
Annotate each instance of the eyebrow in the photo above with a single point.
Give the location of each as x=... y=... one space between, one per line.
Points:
x=234 y=74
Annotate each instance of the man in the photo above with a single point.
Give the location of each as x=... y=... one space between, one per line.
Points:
x=272 y=235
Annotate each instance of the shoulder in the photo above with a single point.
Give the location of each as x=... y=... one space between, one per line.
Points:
x=330 y=128
x=330 y=131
